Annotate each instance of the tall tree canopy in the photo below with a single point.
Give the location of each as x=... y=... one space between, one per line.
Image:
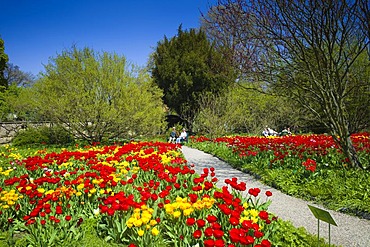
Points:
x=3 y=60
x=96 y=96
x=308 y=49
x=187 y=66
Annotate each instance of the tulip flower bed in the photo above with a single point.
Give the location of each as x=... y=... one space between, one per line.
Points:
x=308 y=166
x=137 y=194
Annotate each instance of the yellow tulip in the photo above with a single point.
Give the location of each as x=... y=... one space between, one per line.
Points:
x=155 y=231
x=177 y=214
x=140 y=232
x=138 y=223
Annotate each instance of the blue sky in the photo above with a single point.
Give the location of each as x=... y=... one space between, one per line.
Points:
x=35 y=30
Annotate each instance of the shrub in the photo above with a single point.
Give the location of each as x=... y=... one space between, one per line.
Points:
x=41 y=135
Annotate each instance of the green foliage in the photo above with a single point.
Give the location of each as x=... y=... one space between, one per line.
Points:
x=186 y=67
x=243 y=109
x=43 y=134
x=356 y=103
x=3 y=60
x=15 y=104
x=285 y=234
x=89 y=238
x=97 y=97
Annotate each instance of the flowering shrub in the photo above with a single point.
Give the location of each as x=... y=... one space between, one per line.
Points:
x=140 y=194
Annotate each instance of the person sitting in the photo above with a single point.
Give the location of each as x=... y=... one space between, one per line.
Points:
x=269 y=132
x=173 y=135
x=272 y=132
x=183 y=137
x=265 y=132
x=285 y=132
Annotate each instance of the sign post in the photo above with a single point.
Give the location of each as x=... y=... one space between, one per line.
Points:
x=324 y=216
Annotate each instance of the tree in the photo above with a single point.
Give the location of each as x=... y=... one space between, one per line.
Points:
x=12 y=98
x=3 y=60
x=230 y=27
x=187 y=66
x=309 y=48
x=95 y=96
x=13 y=75
x=243 y=111
x=357 y=102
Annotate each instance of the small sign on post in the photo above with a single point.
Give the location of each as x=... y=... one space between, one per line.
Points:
x=323 y=215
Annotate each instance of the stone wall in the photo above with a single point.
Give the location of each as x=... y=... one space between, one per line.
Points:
x=9 y=129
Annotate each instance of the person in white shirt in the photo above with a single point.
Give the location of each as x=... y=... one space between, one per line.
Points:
x=272 y=132
x=182 y=136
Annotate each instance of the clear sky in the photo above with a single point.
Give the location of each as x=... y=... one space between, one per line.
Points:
x=35 y=30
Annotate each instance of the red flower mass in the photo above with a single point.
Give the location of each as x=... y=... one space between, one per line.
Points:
x=120 y=179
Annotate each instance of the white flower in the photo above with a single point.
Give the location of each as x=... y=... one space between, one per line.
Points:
x=96 y=211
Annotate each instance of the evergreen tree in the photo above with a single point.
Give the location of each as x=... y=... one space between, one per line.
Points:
x=186 y=67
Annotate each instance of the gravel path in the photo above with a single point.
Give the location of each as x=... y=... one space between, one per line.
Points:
x=350 y=232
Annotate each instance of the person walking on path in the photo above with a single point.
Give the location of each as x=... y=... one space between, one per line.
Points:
x=349 y=232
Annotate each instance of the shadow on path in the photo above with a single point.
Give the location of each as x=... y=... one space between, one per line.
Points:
x=350 y=232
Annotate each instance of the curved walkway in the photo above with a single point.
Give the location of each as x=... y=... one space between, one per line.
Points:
x=350 y=232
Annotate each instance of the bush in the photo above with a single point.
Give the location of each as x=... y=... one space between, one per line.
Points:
x=42 y=135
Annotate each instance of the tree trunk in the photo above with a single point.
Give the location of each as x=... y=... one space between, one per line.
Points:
x=350 y=152
x=345 y=144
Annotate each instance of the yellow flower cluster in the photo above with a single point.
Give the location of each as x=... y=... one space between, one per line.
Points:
x=204 y=203
x=251 y=214
x=183 y=206
x=9 y=198
x=166 y=159
x=97 y=181
x=141 y=216
x=122 y=167
x=91 y=191
x=142 y=153
x=65 y=165
x=154 y=232
x=15 y=156
x=169 y=156
x=6 y=172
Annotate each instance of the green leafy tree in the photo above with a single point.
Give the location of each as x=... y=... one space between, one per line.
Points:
x=186 y=67
x=3 y=60
x=243 y=111
x=95 y=96
x=19 y=105
x=14 y=104
x=357 y=102
x=7 y=100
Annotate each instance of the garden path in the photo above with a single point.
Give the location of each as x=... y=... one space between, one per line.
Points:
x=350 y=232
